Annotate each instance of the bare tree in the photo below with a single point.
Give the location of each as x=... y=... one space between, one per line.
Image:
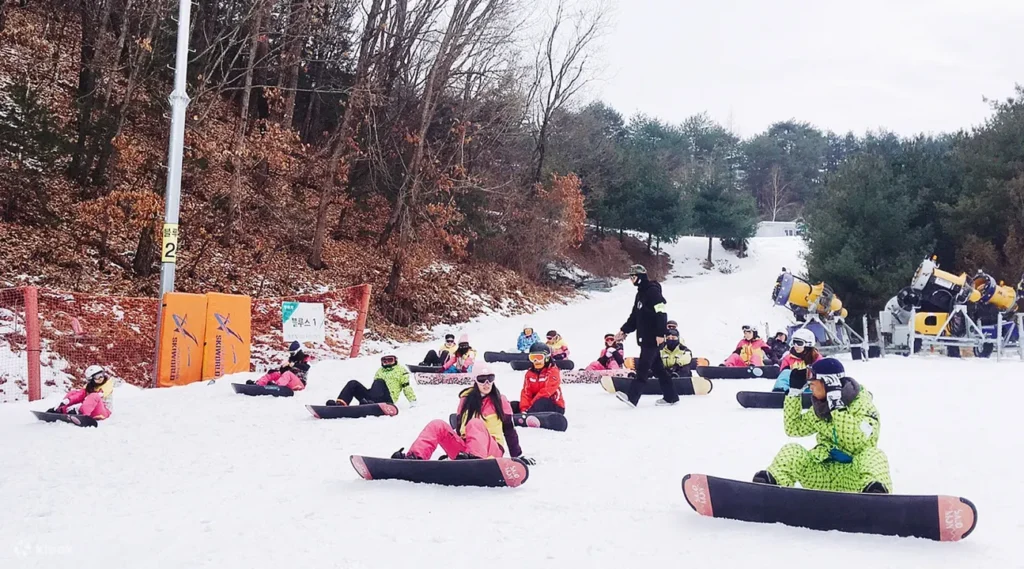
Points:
x=776 y=194
x=561 y=68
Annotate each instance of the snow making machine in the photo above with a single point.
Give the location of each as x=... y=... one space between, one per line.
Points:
x=943 y=310
x=817 y=308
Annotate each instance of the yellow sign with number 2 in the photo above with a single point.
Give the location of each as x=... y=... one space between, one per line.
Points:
x=169 y=251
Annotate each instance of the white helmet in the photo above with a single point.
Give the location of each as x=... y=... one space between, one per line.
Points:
x=806 y=335
x=94 y=370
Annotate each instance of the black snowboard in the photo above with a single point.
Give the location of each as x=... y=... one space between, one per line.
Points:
x=491 y=357
x=525 y=365
x=423 y=369
x=768 y=399
x=352 y=411
x=78 y=420
x=275 y=390
x=546 y=420
x=490 y=472
x=941 y=518
x=749 y=372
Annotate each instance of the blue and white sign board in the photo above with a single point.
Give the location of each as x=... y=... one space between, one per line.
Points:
x=303 y=321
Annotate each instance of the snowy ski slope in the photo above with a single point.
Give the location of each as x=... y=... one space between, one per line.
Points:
x=198 y=477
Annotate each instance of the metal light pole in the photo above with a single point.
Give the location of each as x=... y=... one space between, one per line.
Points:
x=172 y=196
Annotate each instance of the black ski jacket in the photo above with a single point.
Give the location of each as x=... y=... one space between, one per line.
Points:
x=649 y=316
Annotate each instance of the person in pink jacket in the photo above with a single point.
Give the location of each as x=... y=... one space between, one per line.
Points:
x=292 y=374
x=95 y=400
x=611 y=356
x=485 y=427
x=803 y=354
x=749 y=351
x=461 y=361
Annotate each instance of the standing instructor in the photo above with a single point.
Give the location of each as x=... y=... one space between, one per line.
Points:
x=648 y=319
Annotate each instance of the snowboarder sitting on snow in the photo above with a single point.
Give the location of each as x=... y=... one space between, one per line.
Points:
x=777 y=348
x=675 y=356
x=485 y=427
x=611 y=356
x=96 y=400
x=801 y=355
x=461 y=361
x=389 y=381
x=559 y=349
x=843 y=416
x=292 y=374
x=437 y=358
x=527 y=338
x=749 y=351
x=542 y=385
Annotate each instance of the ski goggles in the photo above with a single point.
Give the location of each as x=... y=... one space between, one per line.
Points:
x=449 y=338
x=388 y=360
x=537 y=358
x=748 y=329
x=489 y=378
x=799 y=343
x=463 y=345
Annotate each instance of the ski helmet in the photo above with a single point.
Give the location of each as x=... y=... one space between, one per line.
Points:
x=540 y=348
x=609 y=337
x=484 y=374
x=95 y=373
x=389 y=361
x=672 y=325
x=295 y=347
x=805 y=337
x=449 y=338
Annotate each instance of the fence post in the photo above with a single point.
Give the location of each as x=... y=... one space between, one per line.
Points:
x=32 y=340
x=364 y=309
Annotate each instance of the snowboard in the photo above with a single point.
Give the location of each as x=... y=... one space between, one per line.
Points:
x=630 y=363
x=591 y=376
x=424 y=369
x=694 y=385
x=505 y=357
x=940 y=518
x=487 y=472
x=749 y=372
x=525 y=365
x=275 y=390
x=352 y=411
x=444 y=378
x=547 y=420
x=768 y=399
x=77 y=420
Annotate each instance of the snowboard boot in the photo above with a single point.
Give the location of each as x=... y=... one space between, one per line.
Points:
x=465 y=456
x=624 y=398
x=765 y=477
x=333 y=402
x=400 y=454
x=661 y=402
x=875 y=488
x=250 y=382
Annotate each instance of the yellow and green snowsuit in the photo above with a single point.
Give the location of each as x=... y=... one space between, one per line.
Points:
x=852 y=431
x=397 y=379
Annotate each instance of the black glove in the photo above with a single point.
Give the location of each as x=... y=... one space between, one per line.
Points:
x=737 y=351
x=797 y=380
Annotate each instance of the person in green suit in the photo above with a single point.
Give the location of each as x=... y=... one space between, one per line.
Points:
x=389 y=381
x=846 y=457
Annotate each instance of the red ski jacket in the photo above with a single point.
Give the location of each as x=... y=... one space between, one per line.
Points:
x=544 y=383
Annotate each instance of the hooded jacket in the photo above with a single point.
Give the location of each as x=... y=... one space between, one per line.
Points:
x=649 y=316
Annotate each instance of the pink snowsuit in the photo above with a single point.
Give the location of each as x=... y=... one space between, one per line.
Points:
x=92 y=403
x=286 y=379
x=596 y=365
x=754 y=349
x=479 y=440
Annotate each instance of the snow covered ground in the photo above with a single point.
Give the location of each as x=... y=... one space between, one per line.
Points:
x=198 y=477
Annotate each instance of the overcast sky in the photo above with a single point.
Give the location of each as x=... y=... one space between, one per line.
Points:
x=907 y=65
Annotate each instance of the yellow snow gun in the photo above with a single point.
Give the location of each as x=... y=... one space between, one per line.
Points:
x=934 y=293
x=999 y=295
x=794 y=291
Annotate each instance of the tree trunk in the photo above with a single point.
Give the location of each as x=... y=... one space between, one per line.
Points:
x=3 y=15
x=709 y=250
x=145 y=256
x=648 y=243
x=291 y=59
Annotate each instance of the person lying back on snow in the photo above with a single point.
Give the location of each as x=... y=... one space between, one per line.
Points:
x=611 y=355
x=527 y=338
x=846 y=457
x=390 y=381
x=95 y=400
x=559 y=349
x=675 y=356
x=437 y=358
x=292 y=374
x=749 y=351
